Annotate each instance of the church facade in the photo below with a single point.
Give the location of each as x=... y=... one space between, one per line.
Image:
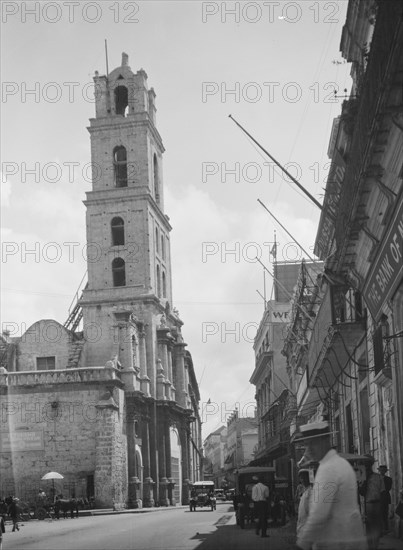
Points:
x=113 y=407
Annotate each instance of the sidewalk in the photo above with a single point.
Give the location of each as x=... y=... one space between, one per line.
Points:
x=389 y=542
x=108 y=511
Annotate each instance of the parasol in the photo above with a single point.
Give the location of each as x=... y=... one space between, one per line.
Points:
x=52 y=476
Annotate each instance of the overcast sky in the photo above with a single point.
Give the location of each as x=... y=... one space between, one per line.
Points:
x=272 y=65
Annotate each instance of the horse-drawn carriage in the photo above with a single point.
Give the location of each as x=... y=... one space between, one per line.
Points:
x=44 y=508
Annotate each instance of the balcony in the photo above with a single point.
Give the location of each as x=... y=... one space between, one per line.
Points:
x=336 y=333
x=262 y=365
x=376 y=85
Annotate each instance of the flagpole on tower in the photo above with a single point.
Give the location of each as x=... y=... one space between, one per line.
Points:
x=106 y=57
x=273 y=250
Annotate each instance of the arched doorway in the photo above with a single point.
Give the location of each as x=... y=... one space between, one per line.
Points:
x=176 y=464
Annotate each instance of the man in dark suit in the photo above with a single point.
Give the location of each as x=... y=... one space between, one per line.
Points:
x=385 y=497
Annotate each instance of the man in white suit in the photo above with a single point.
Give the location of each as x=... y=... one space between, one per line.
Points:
x=334 y=520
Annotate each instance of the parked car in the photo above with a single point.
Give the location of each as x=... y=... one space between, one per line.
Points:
x=201 y=495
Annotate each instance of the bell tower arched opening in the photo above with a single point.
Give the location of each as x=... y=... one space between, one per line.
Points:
x=120 y=166
x=118 y=231
x=119 y=272
x=121 y=100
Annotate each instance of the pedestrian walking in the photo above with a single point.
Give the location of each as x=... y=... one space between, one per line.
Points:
x=299 y=491
x=334 y=520
x=371 y=490
x=385 y=497
x=260 y=497
x=14 y=512
x=2 y=530
x=304 y=501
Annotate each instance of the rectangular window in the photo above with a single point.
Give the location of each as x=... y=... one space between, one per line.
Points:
x=377 y=340
x=337 y=435
x=364 y=406
x=349 y=426
x=46 y=363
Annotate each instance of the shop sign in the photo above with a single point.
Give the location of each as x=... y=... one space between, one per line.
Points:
x=387 y=270
x=21 y=441
x=324 y=239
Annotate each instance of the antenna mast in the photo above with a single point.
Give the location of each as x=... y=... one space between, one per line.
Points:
x=307 y=193
x=106 y=57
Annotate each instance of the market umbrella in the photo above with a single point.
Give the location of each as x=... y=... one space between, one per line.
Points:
x=52 y=476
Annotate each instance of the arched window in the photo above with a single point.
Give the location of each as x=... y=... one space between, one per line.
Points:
x=118 y=232
x=120 y=166
x=156 y=180
x=164 y=285
x=121 y=100
x=118 y=272
x=158 y=281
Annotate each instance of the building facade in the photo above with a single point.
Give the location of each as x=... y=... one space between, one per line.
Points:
x=112 y=407
x=275 y=395
x=349 y=368
x=214 y=455
x=241 y=444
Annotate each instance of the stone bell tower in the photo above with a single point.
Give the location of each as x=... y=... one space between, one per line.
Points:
x=129 y=261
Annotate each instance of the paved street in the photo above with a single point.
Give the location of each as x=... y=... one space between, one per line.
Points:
x=159 y=529
x=168 y=529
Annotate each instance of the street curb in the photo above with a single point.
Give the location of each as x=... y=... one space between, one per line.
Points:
x=110 y=511
x=106 y=511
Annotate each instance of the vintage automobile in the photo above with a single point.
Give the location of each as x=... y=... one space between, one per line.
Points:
x=243 y=503
x=202 y=495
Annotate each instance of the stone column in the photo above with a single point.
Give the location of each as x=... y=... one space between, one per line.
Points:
x=107 y=419
x=183 y=437
x=181 y=389
x=144 y=378
x=154 y=467
x=162 y=464
x=148 y=482
x=170 y=373
x=160 y=381
x=134 y=500
x=171 y=483
x=163 y=342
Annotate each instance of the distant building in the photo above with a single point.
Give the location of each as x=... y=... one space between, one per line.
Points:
x=113 y=407
x=214 y=456
x=241 y=444
x=275 y=395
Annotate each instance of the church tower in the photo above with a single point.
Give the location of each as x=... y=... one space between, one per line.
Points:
x=122 y=394
x=147 y=445
x=128 y=243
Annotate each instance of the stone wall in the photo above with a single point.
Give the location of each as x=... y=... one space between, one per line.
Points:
x=44 y=338
x=55 y=427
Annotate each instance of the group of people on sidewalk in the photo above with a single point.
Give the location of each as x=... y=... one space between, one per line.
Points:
x=334 y=512
x=331 y=514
